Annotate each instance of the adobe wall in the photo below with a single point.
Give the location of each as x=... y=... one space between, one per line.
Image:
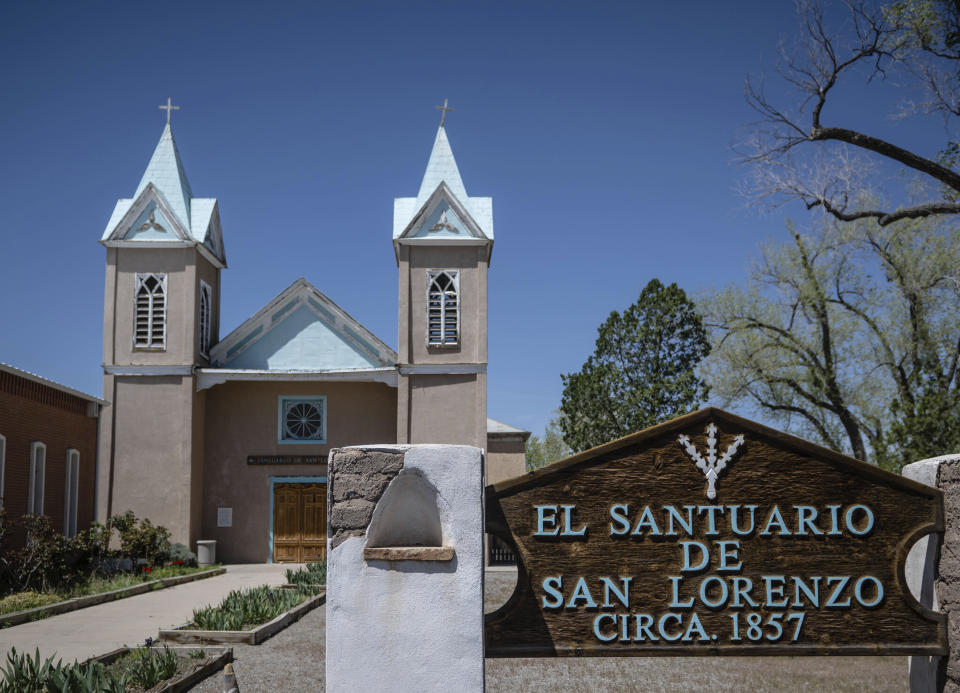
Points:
x=405 y=614
x=506 y=457
x=242 y=419
x=152 y=451
x=414 y=262
x=444 y=409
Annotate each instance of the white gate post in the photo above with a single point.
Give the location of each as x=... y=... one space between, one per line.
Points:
x=405 y=569
x=933 y=574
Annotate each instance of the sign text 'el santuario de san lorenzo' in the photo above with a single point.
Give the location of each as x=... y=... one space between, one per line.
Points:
x=712 y=535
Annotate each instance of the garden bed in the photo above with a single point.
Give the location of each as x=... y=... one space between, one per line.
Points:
x=62 y=607
x=190 y=634
x=191 y=668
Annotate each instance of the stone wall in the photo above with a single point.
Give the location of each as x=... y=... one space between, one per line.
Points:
x=357 y=480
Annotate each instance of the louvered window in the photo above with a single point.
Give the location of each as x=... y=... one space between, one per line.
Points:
x=443 y=307
x=205 y=304
x=151 y=318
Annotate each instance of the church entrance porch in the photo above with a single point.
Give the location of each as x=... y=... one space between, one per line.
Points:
x=298 y=520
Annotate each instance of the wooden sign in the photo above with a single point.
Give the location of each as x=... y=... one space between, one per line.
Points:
x=286 y=459
x=712 y=535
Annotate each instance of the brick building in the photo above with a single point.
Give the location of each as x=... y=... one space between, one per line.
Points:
x=48 y=450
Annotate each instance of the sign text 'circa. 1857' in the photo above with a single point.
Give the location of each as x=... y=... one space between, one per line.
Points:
x=711 y=534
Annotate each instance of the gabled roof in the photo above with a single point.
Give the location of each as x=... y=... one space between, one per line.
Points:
x=442 y=169
x=302 y=330
x=194 y=221
x=443 y=216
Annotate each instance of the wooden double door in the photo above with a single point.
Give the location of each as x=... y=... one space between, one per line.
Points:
x=299 y=522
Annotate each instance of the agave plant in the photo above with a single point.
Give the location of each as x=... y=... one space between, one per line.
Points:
x=146 y=667
x=242 y=609
x=25 y=674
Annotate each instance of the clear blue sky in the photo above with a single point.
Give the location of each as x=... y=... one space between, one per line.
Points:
x=603 y=132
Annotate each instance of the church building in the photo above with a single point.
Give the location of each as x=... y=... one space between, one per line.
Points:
x=227 y=439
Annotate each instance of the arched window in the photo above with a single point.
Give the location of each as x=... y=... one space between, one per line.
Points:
x=443 y=307
x=205 y=304
x=3 y=466
x=70 y=492
x=38 y=473
x=151 y=318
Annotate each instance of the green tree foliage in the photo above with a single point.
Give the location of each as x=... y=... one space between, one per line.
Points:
x=642 y=371
x=548 y=448
x=849 y=335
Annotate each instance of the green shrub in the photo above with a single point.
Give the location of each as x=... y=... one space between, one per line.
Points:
x=140 y=540
x=20 y=601
x=179 y=552
x=25 y=674
x=48 y=561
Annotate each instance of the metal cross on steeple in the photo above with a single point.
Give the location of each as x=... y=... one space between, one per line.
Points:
x=169 y=107
x=444 y=109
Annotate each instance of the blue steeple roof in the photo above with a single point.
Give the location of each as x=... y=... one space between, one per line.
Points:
x=165 y=183
x=165 y=171
x=441 y=168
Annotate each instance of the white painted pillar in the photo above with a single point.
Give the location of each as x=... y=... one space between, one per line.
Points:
x=932 y=571
x=405 y=569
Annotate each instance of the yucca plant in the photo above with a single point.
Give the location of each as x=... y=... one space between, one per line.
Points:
x=243 y=609
x=146 y=667
x=309 y=578
x=25 y=674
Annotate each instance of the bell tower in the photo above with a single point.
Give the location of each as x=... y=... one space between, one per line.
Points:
x=443 y=240
x=161 y=317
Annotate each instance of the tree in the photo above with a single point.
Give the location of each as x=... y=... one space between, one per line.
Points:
x=849 y=335
x=642 y=371
x=798 y=154
x=549 y=448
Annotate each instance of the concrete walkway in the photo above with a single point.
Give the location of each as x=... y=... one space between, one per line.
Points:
x=99 y=629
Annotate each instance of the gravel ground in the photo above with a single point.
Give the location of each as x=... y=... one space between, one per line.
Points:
x=289 y=662
x=292 y=661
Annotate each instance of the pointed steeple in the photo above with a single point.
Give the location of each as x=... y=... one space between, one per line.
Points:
x=165 y=171
x=164 y=209
x=441 y=168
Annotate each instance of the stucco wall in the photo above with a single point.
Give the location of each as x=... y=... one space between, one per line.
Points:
x=445 y=409
x=211 y=275
x=408 y=625
x=414 y=263
x=181 y=268
x=506 y=457
x=241 y=420
x=153 y=442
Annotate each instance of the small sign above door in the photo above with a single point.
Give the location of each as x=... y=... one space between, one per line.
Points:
x=286 y=459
